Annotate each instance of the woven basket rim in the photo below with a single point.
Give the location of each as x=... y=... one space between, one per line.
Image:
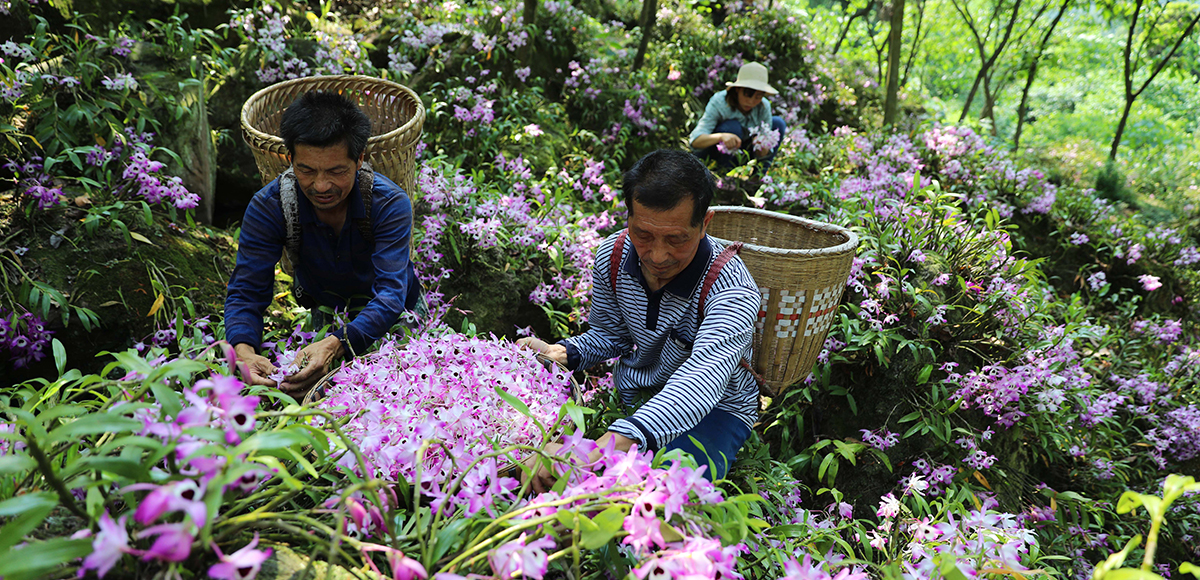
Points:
x=260 y=94
x=849 y=245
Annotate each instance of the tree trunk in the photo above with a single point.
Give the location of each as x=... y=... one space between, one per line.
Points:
x=530 y=14
x=1116 y=142
x=989 y=104
x=893 y=71
x=1023 y=108
x=528 y=18
x=971 y=96
x=1130 y=94
x=649 y=15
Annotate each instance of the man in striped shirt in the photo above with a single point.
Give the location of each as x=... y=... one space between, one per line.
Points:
x=686 y=362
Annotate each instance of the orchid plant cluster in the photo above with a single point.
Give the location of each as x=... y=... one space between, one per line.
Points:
x=530 y=218
x=79 y=149
x=24 y=338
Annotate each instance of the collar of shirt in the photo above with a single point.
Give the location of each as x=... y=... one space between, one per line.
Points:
x=309 y=216
x=683 y=284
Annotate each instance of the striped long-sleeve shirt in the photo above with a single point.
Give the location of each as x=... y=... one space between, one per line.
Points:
x=663 y=345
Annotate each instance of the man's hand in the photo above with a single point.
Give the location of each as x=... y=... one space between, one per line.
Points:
x=314 y=361
x=556 y=352
x=254 y=367
x=543 y=479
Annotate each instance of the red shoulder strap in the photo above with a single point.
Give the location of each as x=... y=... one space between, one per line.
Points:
x=714 y=271
x=614 y=263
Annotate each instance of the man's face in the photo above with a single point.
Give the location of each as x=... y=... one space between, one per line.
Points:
x=325 y=174
x=666 y=241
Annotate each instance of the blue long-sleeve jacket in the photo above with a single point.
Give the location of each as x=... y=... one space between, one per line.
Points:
x=336 y=269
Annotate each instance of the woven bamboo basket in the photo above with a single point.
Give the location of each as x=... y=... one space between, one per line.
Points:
x=396 y=114
x=801 y=267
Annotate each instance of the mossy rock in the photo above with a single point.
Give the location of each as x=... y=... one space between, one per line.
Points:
x=493 y=294
x=114 y=277
x=286 y=564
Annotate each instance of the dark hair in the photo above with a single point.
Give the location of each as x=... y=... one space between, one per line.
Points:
x=323 y=119
x=731 y=97
x=662 y=179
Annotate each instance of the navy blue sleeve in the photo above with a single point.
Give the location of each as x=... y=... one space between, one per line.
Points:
x=259 y=246
x=392 y=228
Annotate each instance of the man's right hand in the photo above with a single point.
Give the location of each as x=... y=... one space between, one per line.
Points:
x=254 y=367
x=556 y=352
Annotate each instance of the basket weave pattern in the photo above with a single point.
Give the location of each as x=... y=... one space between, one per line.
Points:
x=801 y=267
x=397 y=116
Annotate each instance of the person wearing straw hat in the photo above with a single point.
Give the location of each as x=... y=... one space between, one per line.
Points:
x=679 y=310
x=732 y=118
x=343 y=229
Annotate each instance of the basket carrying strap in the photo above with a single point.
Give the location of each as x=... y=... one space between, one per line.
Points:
x=714 y=271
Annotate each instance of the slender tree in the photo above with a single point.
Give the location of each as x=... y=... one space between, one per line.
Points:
x=988 y=55
x=861 y=12
x=1154 y=38
x=895 y=43
x=1031 y=73
x=649 y=16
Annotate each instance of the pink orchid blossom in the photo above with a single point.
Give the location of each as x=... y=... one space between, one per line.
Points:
x=518 y=558
x=243 y=564
x=109 y=545
x=172 y=544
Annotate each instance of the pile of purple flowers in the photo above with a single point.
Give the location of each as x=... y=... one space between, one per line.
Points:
x=24 y=337
x=444 y=389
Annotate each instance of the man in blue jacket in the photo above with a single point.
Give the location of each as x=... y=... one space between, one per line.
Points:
x=346 y=237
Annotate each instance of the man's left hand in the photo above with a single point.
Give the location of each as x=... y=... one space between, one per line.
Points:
x=315 y=360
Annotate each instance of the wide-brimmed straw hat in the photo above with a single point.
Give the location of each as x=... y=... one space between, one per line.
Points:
x=753 y=75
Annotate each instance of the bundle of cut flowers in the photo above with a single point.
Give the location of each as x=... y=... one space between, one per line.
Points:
x=446 y=389
x=765 y=138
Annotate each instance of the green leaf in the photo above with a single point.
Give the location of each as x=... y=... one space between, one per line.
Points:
x=168 y=398
x=272 y=440
x=93 y=424
x=950 y=569
x=1190 y=568
x=825 y=465
x=1131 y=500
x=37 y=559
x=60 y=356
x=127 y=468
x=14 y=531
x=514 y=402
x=16 y=464
x=792 y=531
x=604 y=527
x=923 y=377
x=26 y=502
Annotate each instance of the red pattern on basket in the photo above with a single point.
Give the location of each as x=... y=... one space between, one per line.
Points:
x=791 y=308
x=761 y=322
x=820 y=314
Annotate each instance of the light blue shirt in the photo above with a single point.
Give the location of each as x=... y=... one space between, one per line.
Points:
x=718 y=110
